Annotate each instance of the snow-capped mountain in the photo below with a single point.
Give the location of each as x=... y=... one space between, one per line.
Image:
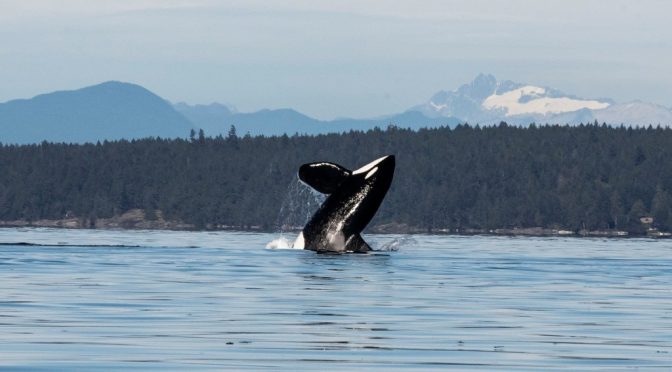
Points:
x=531 y=100
x=486 y=100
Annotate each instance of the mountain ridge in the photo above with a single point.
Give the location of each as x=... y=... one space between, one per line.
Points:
x=118 y=110
x=281 y=121
x=106 y=111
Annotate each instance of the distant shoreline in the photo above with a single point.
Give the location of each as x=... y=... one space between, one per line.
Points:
x=132 y=220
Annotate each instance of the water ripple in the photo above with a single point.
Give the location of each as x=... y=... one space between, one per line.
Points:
x=480 y=303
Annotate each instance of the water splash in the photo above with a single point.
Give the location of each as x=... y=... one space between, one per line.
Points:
x=280 y=243
x=300 y=202
x=396 y=244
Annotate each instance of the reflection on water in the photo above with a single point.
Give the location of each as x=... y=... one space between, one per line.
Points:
x=184 y=300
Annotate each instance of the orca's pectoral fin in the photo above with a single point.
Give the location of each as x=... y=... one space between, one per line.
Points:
x=357 y=245
x=323 y=177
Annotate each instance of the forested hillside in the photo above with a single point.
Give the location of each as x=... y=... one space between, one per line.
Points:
x=585 y=177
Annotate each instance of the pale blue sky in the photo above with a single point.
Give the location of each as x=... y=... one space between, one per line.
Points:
x=335 y=58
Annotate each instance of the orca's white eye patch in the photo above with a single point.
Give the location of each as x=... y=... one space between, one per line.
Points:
x=371 y=172
x=367 y=167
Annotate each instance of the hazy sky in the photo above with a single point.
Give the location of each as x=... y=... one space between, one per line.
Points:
x=335 y=58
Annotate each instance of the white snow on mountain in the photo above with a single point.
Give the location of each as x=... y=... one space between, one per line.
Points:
x=530 y=99
x=486 y=100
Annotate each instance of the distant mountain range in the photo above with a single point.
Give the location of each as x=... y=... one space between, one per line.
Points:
x=217 y=118
x=115 y=110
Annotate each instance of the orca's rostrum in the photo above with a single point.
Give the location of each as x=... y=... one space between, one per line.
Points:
x=354 y=198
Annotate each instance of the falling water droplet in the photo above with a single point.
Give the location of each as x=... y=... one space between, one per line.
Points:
x=300 y=202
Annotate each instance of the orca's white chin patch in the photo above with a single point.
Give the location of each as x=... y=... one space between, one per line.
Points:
x=368 y=167
x=300 y=242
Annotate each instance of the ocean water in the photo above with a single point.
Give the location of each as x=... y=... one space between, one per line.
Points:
x=157 y=300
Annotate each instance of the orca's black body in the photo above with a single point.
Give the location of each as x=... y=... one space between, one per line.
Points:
x=354 y=198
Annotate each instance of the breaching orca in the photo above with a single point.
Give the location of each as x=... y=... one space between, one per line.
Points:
x=354 y=197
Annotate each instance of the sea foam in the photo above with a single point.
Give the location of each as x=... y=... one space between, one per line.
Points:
x=280 y=243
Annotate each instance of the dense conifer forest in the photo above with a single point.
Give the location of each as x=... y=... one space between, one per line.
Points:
x=586 y=177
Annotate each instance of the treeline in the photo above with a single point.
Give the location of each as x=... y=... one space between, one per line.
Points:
x=585 y=177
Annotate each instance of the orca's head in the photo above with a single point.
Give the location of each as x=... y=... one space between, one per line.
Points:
x=377 y=173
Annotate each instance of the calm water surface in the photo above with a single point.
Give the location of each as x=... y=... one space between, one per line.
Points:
x=87 y=300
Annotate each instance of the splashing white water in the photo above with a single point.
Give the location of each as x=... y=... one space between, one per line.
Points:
x=281 y=243
x=297 y=208
x=396 y=244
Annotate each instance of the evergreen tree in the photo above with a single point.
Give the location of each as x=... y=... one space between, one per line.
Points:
x=660 y=208
x=590 y=176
